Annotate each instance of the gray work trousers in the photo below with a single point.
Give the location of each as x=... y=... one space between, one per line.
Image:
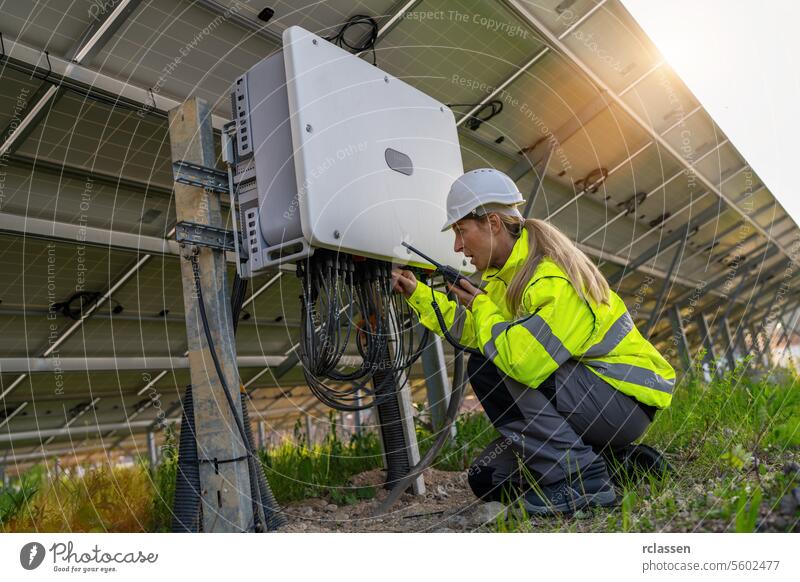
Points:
x=549 y=432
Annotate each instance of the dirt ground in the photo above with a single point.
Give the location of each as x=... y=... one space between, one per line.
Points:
x=447 y=506
x=450 y=506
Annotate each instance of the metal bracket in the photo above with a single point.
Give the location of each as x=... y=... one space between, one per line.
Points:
x=201 y=176
x=228 y=135
x=205 y=236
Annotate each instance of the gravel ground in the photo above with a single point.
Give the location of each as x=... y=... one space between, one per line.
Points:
x=447 y=506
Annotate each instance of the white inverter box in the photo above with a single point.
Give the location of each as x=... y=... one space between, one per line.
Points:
x=333 y=152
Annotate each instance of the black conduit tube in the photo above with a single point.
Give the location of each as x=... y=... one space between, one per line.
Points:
x=272 y=513
x=391 y=421
x=238 y=290
x=456 y=399
x=186 y=505
x=264 y=501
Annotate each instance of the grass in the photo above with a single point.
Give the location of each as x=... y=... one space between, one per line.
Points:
x=297 y=470
x=102 y=499
x=14 y=499
x=163 y=483
x=108 y=499
x=734 y=444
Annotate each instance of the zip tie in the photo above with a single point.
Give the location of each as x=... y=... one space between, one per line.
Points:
x=217 y=462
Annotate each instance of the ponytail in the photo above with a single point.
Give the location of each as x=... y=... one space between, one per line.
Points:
x=545 y=240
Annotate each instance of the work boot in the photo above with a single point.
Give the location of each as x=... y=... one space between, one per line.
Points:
x=630 y=463
x=589 y=487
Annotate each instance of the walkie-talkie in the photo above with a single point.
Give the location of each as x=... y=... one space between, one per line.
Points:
x=449 y=273
x=453 y=277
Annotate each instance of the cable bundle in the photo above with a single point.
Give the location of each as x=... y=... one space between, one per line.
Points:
x=370 y=27
x=348 y=302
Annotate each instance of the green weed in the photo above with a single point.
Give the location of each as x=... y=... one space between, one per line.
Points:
x=728 y=441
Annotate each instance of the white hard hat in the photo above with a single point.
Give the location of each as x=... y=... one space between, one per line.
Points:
x=480 y=188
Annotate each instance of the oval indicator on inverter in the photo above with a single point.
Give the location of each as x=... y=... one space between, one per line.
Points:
x=399 y=162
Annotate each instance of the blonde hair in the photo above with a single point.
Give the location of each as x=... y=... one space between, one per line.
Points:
x=545 y=240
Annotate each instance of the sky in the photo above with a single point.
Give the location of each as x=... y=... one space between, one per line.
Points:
x=741 y=59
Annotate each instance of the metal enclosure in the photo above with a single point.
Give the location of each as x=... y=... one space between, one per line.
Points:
x=265 y=176
x=361 y=180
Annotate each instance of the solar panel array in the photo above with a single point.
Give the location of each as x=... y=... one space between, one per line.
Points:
x=631 y=166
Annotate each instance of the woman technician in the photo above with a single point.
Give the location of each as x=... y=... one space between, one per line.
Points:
x=564 y=373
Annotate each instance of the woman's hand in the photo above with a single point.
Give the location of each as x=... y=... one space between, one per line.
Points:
x=404 y=282
x=465 y=292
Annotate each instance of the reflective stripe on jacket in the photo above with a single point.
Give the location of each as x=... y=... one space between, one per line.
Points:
x=556 y=325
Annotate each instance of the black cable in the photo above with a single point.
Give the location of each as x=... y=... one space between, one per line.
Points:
x=475 y=120
x=592 y=181
x=443 y=325
x=85 y=300
x=333 y=284
x=259 y=487
x=238 y=294
x=368 y=43
x=238 y=291
x=228 y=397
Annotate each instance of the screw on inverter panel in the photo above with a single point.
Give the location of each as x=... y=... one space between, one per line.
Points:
x=336 y=234
x=386 y=79
x=314 y=41
x=308 y=127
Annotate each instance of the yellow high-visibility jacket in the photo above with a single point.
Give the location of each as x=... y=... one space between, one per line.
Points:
x=557 y=324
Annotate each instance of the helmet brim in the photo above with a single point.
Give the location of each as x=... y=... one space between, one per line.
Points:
x=449 y=224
